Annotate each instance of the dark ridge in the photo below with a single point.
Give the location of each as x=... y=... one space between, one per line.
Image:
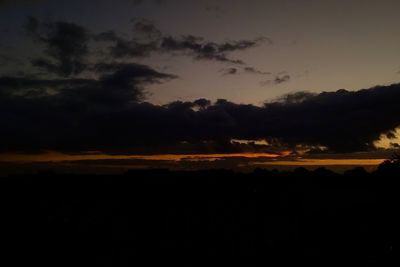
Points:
x=203 y=217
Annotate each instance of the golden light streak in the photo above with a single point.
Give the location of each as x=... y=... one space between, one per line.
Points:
x=57 y=157
x=271 y=159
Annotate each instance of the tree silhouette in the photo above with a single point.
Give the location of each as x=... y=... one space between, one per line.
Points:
x=391 y=165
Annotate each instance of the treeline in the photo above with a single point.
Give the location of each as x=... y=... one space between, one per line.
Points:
x=148 y=217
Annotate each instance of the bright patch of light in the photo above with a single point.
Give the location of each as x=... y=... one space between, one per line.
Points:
x=389 y=141
x=247 y=142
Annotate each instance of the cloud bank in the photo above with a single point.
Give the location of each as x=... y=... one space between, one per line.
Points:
x=86 y=103
x=86 y=115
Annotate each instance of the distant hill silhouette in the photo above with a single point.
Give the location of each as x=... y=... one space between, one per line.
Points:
x=148 y=218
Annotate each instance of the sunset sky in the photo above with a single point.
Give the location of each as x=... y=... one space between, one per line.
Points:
x=198 y=84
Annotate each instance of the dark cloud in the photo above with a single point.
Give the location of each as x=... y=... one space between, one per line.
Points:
x=117 y=86
x=126 y=80
x=65 y=45
x=279 y=78
x=145 y=40
x=230 y=71
x=296 y=98
x=202 y=50
x=69 y=79
x=103 y=108
x=19 y=85
x=149 y=39
x=395 y=145
x=104 y=115
x=253 y=70
x=249 y=70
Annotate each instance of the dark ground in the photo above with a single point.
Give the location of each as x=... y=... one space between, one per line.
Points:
x=149 y=218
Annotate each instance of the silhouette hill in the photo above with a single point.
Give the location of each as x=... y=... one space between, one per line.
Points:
x=149 y=217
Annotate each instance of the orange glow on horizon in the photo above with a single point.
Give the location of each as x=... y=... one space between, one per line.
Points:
x=57 y=157
x=271 y=159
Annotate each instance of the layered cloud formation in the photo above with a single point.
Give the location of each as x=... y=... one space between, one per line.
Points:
x=104 y=115
x=84 y=102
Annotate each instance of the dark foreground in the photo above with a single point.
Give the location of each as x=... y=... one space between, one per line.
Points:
x=157 y=218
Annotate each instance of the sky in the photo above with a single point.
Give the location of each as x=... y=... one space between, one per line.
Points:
x=228 y=80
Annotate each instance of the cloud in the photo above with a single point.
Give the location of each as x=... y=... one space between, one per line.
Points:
x=248 y=70
x=253 y=70
x=279 y=79
x=122 y=82
x=65 y=46
x=149 y=39
x=295 y=98
x=78 y=105
x=146 y=29
x=282 y=79
x=144 y=42
x=201 y=50
x=230 y=71
x=70 y=79
x=103 y=115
